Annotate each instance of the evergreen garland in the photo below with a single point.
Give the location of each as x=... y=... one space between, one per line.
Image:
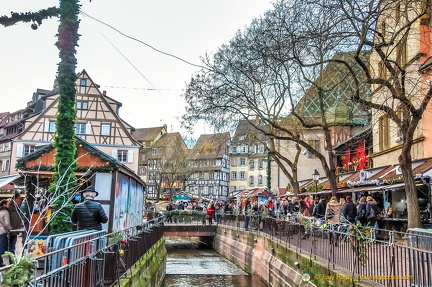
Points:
x=64 y=141
x=35 y=17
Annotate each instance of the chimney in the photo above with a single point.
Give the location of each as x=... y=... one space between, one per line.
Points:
x=104 y=93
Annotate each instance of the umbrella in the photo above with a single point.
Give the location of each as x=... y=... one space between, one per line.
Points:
x=181 y=197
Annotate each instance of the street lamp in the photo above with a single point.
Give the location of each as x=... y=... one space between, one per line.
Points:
x=315 y=177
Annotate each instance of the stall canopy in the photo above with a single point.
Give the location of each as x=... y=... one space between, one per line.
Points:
x=6 y=181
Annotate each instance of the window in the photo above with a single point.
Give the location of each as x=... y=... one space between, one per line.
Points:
x=122 y=155
x=233 y=175
x=399 y=112
x=158 y=163
x=151 y=164
x=83 y=82
x=251 y=180
x=151 y=176
x=234 y=149
x=242 y=175
x=260 y=179
x=28 y=149
x=244 y=149
x=50 y=126
x=260 y=164
x=233 y=188
x=242 y=161
x=234 y=161
x=82 y=129
x=141 y=171
x=384 y=133
x=105 y=129
x=401 y=51
x=211 y=175
x=261 y=148
x=252 y=165
x=154 y=151
x=241 y=138
x=315 y=144
x=81 y=105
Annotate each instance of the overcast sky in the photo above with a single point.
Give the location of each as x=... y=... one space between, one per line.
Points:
x=185 y=28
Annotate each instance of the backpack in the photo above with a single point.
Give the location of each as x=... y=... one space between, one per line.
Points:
x=371 y=213
x=361 y=213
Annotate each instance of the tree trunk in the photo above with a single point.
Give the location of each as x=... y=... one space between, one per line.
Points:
x=405 y=161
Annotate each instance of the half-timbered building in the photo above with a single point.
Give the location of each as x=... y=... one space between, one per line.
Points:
x=98 y=123
x=210 y=161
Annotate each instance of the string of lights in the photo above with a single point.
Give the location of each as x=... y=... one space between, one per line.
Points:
x=140 y=88
x=136 y=69
x=142 y=42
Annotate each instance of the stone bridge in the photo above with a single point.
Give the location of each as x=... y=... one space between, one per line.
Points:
x=189 y=230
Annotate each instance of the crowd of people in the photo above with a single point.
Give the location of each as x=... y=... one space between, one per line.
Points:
x=343 y=210
x=367 y=211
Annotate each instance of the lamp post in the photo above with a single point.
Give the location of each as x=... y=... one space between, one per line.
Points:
x=315 y=177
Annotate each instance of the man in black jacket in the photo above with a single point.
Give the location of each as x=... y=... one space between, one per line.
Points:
x=349 y=210
x=89 y=214
x=320 y=208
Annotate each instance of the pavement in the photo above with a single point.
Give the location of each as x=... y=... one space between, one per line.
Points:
x=18 y=249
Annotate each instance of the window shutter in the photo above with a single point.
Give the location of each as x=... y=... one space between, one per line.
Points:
x=20 y=150
x=46 y=126
x=114 y=153
x=130 y=156
x=88 y=128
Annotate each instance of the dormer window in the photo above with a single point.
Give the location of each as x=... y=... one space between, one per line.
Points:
x=244 y=149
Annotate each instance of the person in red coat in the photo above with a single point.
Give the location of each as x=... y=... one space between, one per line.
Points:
x=211 y=211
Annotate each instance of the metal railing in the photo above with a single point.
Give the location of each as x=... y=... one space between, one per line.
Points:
x=386 y=257
x=93 y=258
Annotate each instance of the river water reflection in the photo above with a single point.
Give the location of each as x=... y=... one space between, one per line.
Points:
x=192 y=264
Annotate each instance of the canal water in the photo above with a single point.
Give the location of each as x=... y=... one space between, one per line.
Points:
x=191 y=263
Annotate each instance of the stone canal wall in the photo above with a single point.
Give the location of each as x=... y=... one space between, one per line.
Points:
x=273 y=261
x=150 y=270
